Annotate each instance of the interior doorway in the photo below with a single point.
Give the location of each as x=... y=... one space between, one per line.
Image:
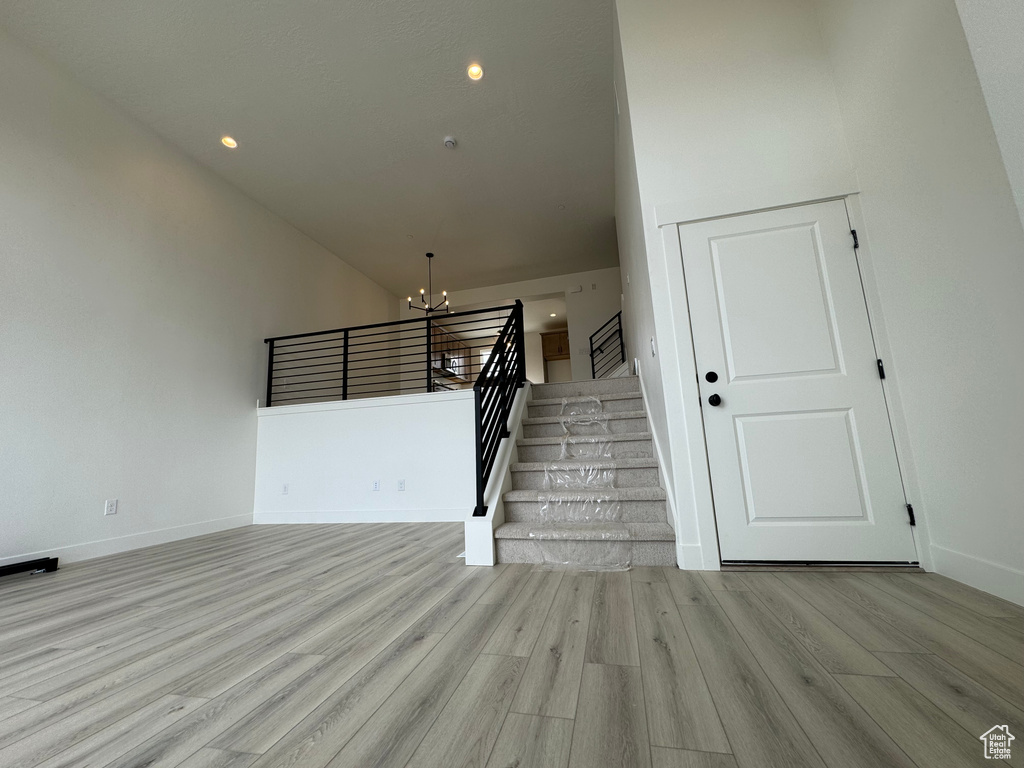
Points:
x=542 y=314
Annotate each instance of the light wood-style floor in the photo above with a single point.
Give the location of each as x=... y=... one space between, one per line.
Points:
x=373 y=645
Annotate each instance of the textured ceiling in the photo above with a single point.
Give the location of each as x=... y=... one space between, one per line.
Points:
x=340 y=110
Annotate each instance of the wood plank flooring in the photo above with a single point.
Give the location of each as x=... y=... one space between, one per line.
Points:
x=368 y=646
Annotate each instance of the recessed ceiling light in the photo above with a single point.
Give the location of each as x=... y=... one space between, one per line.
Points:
x=554 y=314
x=475 y=71
x=228 y=142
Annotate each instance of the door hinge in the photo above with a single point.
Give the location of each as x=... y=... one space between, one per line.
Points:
x=910 y=514
x=881 y=369
x=856 y=240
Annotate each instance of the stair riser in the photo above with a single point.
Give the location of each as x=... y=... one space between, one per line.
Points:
x=628 y=512
x=607 y=406
x=620 y=449
x=577 y=388
x=621 y=478
x=614 y=426
x=584 y=554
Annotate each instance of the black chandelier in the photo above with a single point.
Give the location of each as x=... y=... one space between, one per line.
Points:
x=426 y=297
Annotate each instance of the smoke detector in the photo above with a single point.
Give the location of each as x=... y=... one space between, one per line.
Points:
x=449 y=142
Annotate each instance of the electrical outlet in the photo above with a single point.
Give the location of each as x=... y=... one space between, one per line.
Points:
x=401 y=485
x=284 y=489
x=376 y=485
x=110 y=508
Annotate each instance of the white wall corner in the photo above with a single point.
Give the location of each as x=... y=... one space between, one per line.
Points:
x=480 y=549
x=999 y=580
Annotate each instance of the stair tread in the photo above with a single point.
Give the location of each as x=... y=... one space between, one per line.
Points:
x=605 y=414
x=614 y=494
x=555 y=440
x=587 y=532
x=602 y=463
x=587 y=398
x=635 y=379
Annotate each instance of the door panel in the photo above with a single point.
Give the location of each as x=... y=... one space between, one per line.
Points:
x=747 y=269
x=801 y=465
x=802 y=460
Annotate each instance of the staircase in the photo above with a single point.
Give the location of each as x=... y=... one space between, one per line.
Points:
x=586 y=492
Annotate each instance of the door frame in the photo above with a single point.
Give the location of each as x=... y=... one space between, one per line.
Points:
x=707 y=555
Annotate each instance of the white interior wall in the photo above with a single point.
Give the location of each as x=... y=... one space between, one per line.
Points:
x=591 y=298
x=947 y=251
x=558 y=370
x=638 y=327
x=729 y=98
x=806 y=101
x=534 y=358
x=329 y=454
x=995 y=35
x=722 y=107
x=136 y=289
x=589 y=304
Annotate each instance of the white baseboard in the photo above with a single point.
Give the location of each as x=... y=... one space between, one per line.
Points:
x=666 y=484
x=690 y=557
x=74 y=553
x=999 y=580
x=620 y=371
x=457 y=515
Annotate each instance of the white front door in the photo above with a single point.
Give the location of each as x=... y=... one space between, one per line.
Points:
x=803 y=466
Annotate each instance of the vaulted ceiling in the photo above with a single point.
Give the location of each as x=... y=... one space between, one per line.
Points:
x=340 y=110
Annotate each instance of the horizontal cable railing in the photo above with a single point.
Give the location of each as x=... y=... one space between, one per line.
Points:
x=495 y=392
x=442 y=351
x=607 y=350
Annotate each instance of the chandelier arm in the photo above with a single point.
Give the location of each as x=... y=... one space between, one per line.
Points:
x=426 y=297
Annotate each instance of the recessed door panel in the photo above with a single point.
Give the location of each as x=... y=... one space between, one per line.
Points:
x=803 y=465
x=776 y=274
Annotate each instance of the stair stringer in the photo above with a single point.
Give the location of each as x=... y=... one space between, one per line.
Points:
x=480 y=530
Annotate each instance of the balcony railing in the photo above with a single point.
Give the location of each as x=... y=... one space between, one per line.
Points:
x=425 y=354
x=607 y=350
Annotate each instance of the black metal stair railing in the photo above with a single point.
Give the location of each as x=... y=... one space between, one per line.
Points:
x=424 y=354
x=607 y=350
x=495 y=392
